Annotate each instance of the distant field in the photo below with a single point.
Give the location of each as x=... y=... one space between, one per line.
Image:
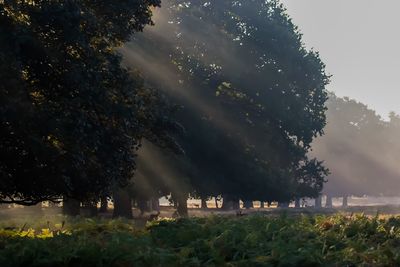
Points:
x=253 y=240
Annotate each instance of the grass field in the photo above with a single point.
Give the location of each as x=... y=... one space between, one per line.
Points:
x=254 y=240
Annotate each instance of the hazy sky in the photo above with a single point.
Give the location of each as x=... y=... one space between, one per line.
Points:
x=359 y=41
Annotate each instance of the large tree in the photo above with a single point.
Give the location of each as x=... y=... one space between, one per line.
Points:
x=70 y=116
x=252 y=95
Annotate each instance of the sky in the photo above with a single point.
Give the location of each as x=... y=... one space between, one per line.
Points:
x=359 y=41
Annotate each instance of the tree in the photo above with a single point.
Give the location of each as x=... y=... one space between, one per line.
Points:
x=252 y=96
x=360 y=149
x=71 y=118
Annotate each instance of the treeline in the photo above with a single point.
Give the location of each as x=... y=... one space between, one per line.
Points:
x=217 y=99
x=361 y=150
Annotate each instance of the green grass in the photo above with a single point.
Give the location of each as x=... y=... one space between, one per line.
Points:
x=215 y=241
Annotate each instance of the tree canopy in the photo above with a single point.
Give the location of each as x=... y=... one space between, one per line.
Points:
x=219 y=98
x=252 y=96
x=70 y=116
x=360 y=148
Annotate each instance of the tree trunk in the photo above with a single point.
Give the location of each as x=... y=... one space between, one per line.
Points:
x=248 y=204
x=328 y=203
x=229 y=203
x=262 y=205
x=143 y=205
x=283 y=204
x=182 y=206
x=103 y=205
x=297 y=203
x=149 y=205
x=155 y=204
x=236 y=204
x=318 y=202
x=89 y=209
x=216 y=202
x=71 y=207
x=122 y=204
x=345 y=201
x=204 y=203
x=226 y=203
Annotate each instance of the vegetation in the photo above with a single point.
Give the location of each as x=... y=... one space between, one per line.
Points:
x=75 y=111
x=360 y=148
x=218 y=99
x=71 y=116
x=214 y=241
x=252 y=99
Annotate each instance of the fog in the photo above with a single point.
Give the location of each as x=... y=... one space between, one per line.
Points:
x=360 y=149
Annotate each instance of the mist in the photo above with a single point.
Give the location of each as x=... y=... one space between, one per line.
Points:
x=361 y=150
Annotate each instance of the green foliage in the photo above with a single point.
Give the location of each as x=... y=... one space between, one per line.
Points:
x=216 y=241
x=71 y=118
x=252 y=96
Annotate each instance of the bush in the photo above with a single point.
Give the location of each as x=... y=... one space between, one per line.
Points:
x=214 y=241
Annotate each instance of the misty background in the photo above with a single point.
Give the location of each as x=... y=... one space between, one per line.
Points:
x=358 y=41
